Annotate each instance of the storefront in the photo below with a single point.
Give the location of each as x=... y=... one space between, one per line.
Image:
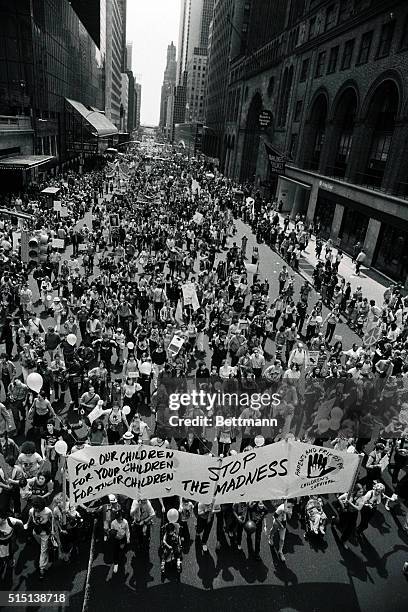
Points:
x=391 y=256
x=324 y=215
x=353 y=229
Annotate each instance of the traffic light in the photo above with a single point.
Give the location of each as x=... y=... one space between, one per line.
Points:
x=33 y=250
x=43 y=240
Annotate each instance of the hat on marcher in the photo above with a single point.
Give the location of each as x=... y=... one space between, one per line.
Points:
x=128 y=435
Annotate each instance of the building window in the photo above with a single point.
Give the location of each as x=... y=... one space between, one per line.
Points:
x=293 y=144
x=321 y=58
x=404 y=37
x=305 y=70
x=381 y=147
x=387 y=33
x=312 y=28
x=365 y=47
x=334 y=54
x=298 y=110
x=330 y=17
x=347 y=54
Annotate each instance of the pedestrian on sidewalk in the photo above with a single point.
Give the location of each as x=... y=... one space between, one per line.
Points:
x=359 y=261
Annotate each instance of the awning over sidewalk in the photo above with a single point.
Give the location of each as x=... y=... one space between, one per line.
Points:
x=24 y=162
x=100 y=124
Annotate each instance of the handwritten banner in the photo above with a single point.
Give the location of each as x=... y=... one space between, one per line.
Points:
x=281 y=470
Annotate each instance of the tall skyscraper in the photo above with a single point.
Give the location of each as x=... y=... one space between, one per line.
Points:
x=167 y=91
x=138 y=103
x=194 y=27
x=129 y=52
x=115 y=57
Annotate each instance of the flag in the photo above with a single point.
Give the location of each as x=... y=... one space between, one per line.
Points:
x=276 y=160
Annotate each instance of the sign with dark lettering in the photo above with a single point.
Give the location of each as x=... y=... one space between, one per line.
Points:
x=283 y=469
x=276 y=160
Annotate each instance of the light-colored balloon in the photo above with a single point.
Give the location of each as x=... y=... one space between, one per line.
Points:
x=172 y=515
x=126 y=410
x=130 y=346
x=336 y=413
x=61 y=447
x=323 y=425
x=72 y=339
x=35 y=382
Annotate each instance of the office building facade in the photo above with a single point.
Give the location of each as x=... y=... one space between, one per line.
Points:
x=194 y=28
x=167 y=90
x=334 y=80
x=115 y=58
x=49 y=55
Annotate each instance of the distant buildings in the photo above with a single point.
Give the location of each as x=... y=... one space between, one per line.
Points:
x=189 y=93
x=167 y=91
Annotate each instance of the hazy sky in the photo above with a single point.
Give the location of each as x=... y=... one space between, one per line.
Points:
x=151 y=26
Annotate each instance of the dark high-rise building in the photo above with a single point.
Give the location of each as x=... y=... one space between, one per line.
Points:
x=267 y=18
x=52 y=80
x=219 y=54
x=138 y=103
x=115 y=57
x=167 y=90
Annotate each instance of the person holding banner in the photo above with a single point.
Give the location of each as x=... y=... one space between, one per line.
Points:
x=279 y=521
x=142 y=515
x=120 y=535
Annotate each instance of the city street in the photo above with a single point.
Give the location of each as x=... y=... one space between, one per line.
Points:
x=366 y=577
x=192 y=420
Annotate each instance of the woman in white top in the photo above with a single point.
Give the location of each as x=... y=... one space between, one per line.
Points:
x=120 y=533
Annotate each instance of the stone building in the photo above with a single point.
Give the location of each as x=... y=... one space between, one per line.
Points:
x=335 y=80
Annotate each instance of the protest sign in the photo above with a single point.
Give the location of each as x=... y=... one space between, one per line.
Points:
x=175 y=345
x=95 y=413
x=57 y=205
x=251 y=268
x=138 y=472
x=280 y=470
x=314 y=469
x=190 y=296
x=64 y=212
x=198 y=218
x=57 y=243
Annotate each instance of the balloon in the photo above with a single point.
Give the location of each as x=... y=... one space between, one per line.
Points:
x=334 y=424
x=250 y=526
x=71 y=339
x=259 y=441
x=35 y=382
x=61 y=447
x=336 y=413
x=323 y=425
x=172 y=515
x=126 y=410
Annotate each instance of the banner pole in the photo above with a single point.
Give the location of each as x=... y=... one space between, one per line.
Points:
x=214 y=497
x=356 y=473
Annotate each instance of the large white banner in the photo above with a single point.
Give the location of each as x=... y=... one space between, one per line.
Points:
x=281 y=470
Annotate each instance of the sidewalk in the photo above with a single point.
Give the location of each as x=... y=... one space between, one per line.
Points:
x=371 y=288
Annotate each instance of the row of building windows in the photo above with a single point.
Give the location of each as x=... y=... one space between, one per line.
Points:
x=383 y=49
